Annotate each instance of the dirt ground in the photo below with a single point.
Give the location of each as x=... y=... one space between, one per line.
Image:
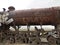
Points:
x=12 y=44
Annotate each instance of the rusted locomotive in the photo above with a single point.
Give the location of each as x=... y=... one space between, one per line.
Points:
x=47 y=16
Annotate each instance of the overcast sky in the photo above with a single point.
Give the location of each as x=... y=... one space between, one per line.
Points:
x=27 y=4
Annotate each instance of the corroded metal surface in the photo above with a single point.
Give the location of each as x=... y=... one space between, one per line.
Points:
x=47 y=16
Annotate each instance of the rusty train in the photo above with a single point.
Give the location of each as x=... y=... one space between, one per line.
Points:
x=43 y=16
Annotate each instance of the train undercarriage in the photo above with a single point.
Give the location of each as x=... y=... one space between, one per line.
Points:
x=37 y=37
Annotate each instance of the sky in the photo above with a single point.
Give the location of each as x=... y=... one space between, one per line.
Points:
x=28 y=4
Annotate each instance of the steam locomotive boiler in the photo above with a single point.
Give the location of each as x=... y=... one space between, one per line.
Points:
x=47 y=16
x=36 y=17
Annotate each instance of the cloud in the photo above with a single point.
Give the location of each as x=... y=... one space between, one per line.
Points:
x=44 y=3
x=27 y=4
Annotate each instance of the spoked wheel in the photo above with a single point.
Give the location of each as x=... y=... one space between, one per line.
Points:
x=51 y=40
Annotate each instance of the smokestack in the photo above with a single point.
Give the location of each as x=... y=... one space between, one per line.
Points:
x=11 y=8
